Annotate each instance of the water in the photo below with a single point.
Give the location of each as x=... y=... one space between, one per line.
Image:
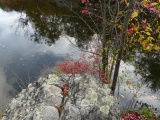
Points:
x=23 y=60
x=144 y=94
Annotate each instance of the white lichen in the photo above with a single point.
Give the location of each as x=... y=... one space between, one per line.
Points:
x=108 y=99
x=84 y=102
x=94 y=96
x=104 y=109
x=68 y=104
x=53 y=79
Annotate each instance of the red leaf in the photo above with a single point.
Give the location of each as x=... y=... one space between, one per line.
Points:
x=84 y=11
x=144 y=21
x=83 y=1
x=153 y=9
x=130 y=31
x=144 y=26
x=148 y=5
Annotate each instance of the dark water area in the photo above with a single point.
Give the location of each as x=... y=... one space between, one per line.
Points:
x=29 y=69
x=34 y=35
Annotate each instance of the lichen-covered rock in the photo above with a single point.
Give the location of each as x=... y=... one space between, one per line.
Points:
x=50 y=113
x=36 y=102
x=87 y=99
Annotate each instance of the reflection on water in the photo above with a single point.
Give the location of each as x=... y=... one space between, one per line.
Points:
x=49 y=20
x=126 y=93
x=22 y=59
x=28 y=69
x=149 y=68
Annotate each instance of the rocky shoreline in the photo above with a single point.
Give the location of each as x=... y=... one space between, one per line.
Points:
x=64 y=97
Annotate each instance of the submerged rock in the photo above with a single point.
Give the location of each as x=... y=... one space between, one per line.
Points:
x=87 y=98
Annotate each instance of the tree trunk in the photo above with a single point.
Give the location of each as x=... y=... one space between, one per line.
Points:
x=110 y=75
x=123 y=41
x=104 y=57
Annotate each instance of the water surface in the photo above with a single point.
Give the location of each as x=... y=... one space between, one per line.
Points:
x=23 y=60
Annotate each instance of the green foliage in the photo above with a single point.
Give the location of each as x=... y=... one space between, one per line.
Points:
x=146 y=113
x=58 y=72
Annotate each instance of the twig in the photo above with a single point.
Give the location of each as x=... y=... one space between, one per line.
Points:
x=20 y=80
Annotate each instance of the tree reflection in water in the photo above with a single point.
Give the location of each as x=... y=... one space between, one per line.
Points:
x=49 y=20
x=149 y=68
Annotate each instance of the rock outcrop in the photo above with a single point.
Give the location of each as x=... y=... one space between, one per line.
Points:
x=64 y=97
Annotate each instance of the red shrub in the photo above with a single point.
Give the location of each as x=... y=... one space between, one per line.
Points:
x=82 y=65
x=131 y=116
x=74 y=66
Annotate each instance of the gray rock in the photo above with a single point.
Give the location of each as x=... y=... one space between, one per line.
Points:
x=4 y=118
x=29 y=116
x=37 y=92
x=52 y=99
x=50 y=113
x=114 y=118
x=37 y=115
x=82 y=111
x=88 y=99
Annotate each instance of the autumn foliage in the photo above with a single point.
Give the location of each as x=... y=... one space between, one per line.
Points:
x=74 y=66
x=131 y=116
x=85 y=64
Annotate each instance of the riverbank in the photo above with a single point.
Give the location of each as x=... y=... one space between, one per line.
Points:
x=64 y=97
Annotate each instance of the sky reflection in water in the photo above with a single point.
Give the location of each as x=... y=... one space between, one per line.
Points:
x=19 y=56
